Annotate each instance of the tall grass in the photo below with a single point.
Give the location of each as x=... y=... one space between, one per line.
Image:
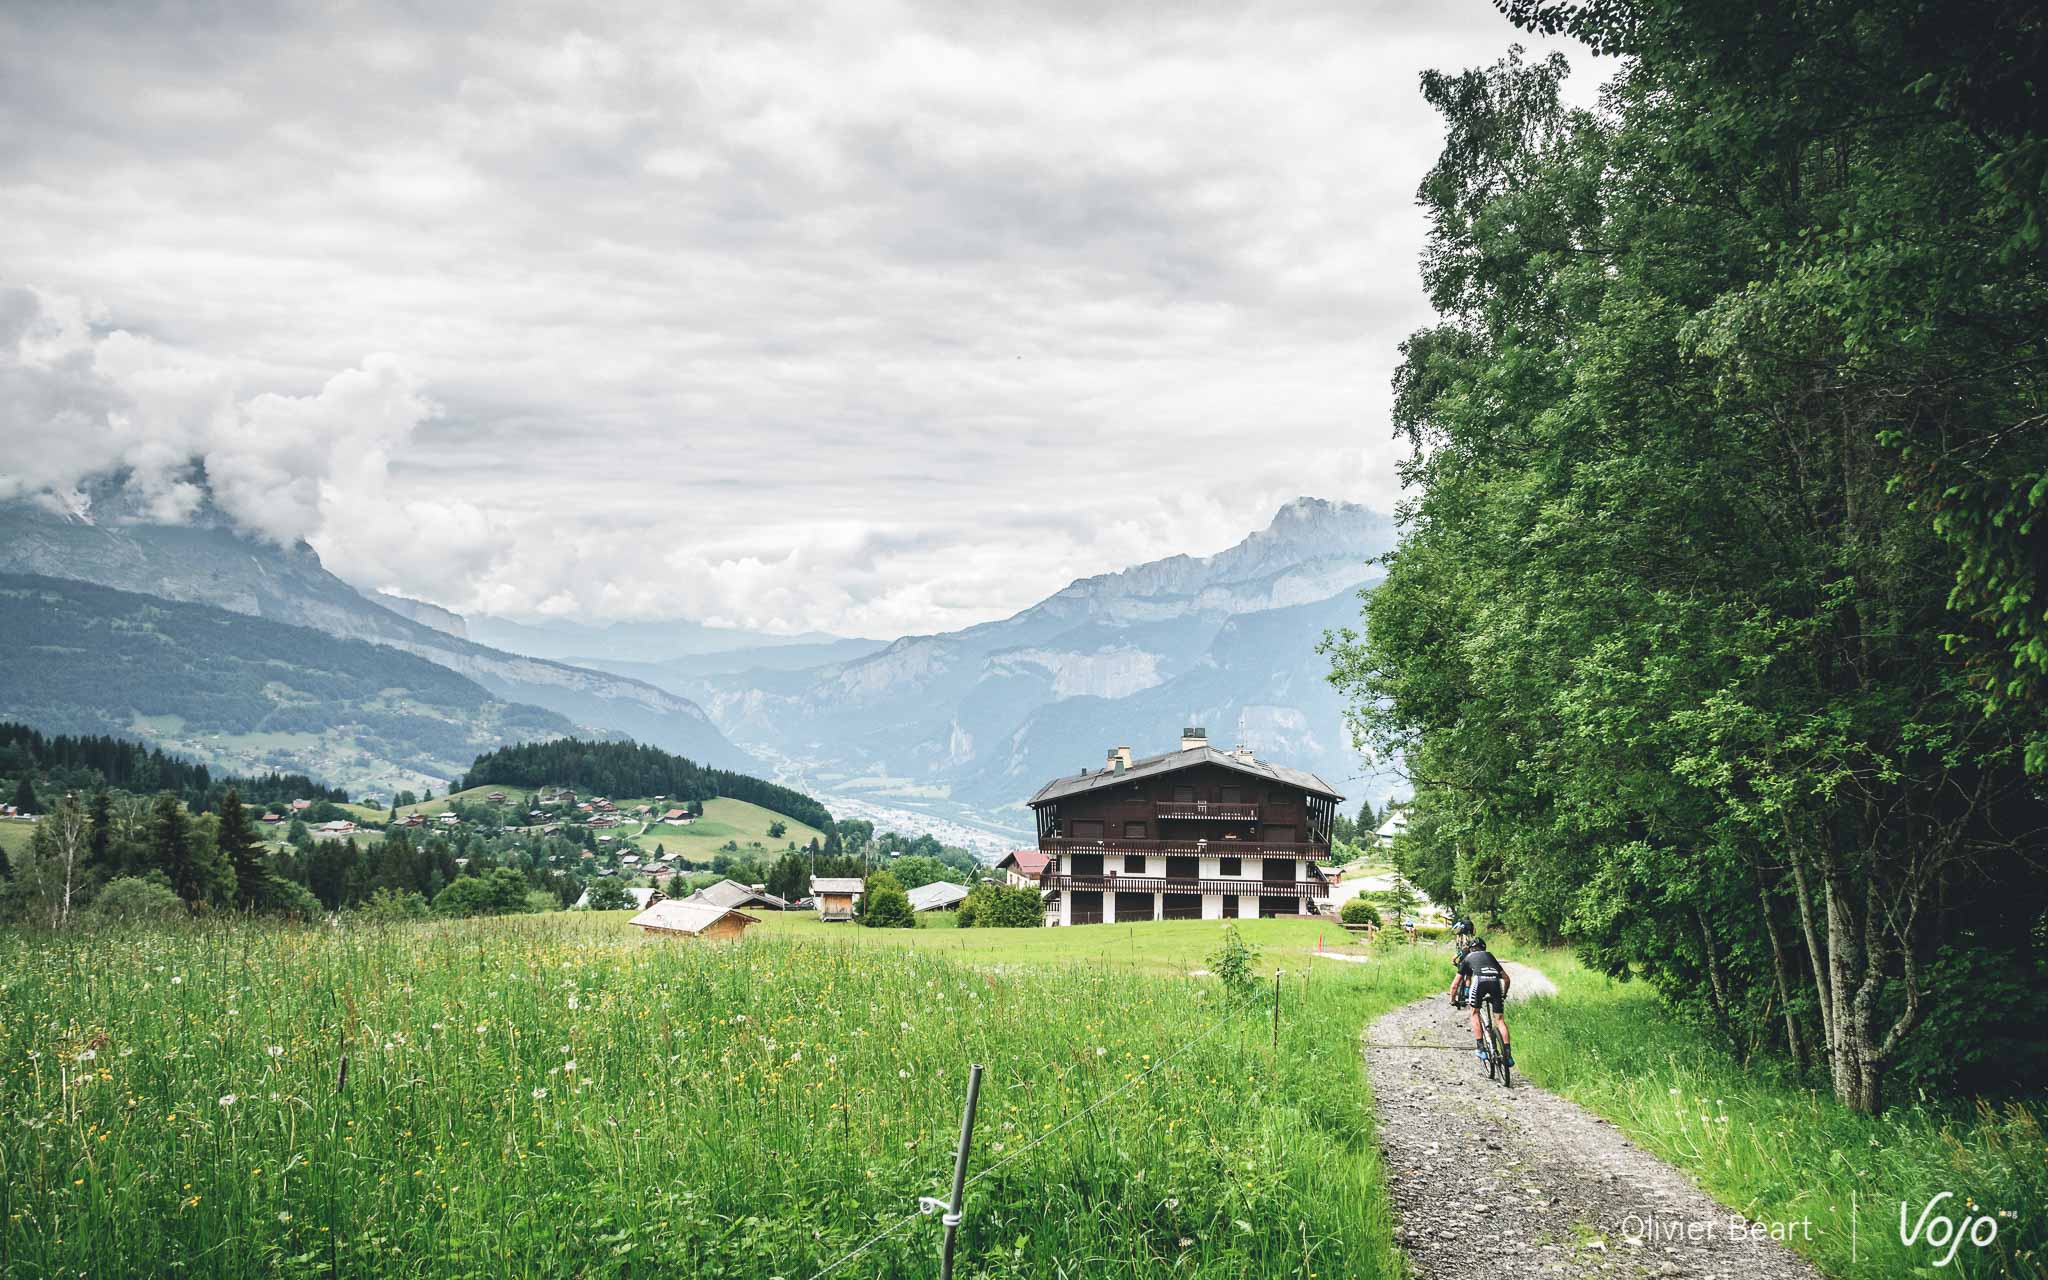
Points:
x=562 y=1096
x=1780 y=1153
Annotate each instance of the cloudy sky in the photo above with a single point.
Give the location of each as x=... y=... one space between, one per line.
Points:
x=861 y=317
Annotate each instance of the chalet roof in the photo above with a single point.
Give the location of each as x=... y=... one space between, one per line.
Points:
x=937 y=895
x=1029 y=862
x=1173 y=761
x=835 y=884
x=673 y=915
x=731 y=893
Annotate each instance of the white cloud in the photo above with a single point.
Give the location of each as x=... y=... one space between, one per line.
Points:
x=874 y=317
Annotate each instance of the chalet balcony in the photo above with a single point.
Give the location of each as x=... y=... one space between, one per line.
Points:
x=1204 y=810
x=1184 y=848
x=1159 y=884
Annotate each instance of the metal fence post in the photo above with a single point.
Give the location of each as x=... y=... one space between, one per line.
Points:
x=952 y=1215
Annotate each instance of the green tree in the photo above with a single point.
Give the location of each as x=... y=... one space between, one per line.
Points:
x=53 y=876
x=607 y=894
x=1687 y=644
x=991 y=905
x=501 y=891
x=135 y=900
x=25 y=796
x=175 y=851
x=777 y=829
x=885 y=904
x=238 y=844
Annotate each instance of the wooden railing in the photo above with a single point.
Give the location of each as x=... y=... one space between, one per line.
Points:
x=1185 y=848
x=1159 y=884
x=1203 y=810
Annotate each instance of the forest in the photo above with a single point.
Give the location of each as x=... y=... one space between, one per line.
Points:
x=1717 y=639
x=632 y=769
x=52 y=765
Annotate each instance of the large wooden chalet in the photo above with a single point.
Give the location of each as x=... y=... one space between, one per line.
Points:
x=1193 y=834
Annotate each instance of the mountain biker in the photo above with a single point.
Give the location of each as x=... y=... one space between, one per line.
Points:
x=1487 y=983
x=1463 y=932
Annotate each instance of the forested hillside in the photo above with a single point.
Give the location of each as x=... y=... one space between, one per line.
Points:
x=54 y=765
x=241 y=692
x=1716 y=639
x=632 y=769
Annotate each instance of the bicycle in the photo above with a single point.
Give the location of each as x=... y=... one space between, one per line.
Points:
x=1497 y=1065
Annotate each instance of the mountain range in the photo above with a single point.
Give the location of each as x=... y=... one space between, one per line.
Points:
x=100 y=538
x=958 y=726
x=967 y=724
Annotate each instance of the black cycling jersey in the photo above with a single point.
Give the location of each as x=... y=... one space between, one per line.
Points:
x=1479 y=964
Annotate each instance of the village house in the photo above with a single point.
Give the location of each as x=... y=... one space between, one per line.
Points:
x=837 y=896
x=496 y=797
x=272 y=818
x=1022 y=868
x=694 y=920
x=1193 y=834
x=300 y=806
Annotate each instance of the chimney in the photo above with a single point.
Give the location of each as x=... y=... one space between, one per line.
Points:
x=1193 y=736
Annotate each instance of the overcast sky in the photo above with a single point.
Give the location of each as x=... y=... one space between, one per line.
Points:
x=862 y=317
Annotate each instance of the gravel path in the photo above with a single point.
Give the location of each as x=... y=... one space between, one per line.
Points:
x=1494 y=1184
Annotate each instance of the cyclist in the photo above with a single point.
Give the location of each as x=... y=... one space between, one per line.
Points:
x=1486 y=984
x=1462 y=931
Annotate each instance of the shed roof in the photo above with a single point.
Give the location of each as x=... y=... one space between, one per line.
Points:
x=1171 y=761
x=673 y=915
x=936 y=896
x=836 y=884
x=731 y=893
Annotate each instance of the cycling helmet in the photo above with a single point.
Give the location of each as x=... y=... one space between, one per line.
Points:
x=1462 y=928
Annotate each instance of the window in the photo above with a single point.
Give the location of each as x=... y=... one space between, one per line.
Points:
x=1136 y=906
x=1230 y=906
x=1230 y=866
x=1086 y=864
x=1276 y=835
x=1231 y=795
x=1134 y=864
x=1183 y=795
x=1183 y=868
x=1134 y=831
x=1182 y=906
x=1089 y=829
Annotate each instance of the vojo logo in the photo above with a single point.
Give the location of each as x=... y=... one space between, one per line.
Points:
x=1942 y=1232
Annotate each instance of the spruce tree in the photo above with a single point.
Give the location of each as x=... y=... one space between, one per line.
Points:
x=171 y=848
x=238 y=845
x=102 y=827
x=24 y=796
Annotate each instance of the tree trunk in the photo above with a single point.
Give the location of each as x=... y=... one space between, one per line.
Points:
x=1846 y=958
x=1717 y=982
x=1815 y=953
x=1795 y=1044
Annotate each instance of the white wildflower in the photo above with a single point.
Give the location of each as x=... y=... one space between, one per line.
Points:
x=275 y=1051
x=228 y=1100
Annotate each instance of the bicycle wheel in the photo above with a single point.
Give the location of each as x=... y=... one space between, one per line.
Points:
x=1499 y=1053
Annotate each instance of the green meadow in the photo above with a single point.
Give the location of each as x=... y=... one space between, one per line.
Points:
x=561 y=1095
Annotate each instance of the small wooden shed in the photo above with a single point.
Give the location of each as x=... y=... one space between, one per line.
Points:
x=837 y=896
x=694 y=920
